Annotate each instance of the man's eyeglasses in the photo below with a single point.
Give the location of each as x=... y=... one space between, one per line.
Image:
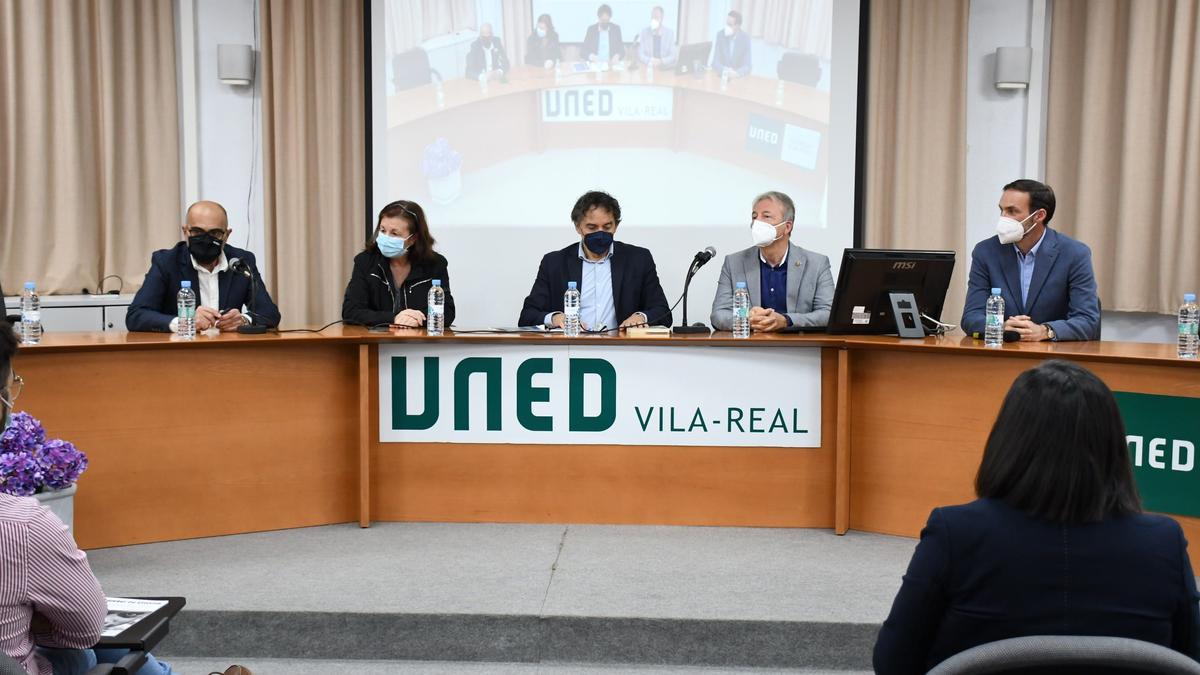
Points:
x=13 y=391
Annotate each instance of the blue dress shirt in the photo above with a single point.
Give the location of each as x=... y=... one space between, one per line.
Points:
x=773 y=285
x=597 y=307
x=603 y=52
x=1026 y=262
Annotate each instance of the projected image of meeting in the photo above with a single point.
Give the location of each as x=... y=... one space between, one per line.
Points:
x=495 y=116
x=485 y=113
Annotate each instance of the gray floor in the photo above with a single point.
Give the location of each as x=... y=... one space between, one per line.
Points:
x=542 y=570
x=293 y=667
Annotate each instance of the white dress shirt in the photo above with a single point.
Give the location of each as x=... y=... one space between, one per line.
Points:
x=210 y=288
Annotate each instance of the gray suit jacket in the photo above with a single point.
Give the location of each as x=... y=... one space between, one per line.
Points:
x=809 y=287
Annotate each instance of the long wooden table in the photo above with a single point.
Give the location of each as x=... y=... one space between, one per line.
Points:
x=241 y=433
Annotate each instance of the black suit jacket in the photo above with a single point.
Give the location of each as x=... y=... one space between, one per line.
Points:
x=373 y=298
x=985 y=571
x=634 y=278
x=476 y=61
x=539 y=51
x=591 y=43
x=153 y=307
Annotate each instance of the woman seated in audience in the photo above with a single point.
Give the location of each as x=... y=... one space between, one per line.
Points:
x=542 y=48
x=1056 y=543
x=391 y=278
x=52 y=608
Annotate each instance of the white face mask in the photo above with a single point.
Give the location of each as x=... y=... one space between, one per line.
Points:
x=763 y=233
x=728 y=31
x=654 y=24
x=1010 y=231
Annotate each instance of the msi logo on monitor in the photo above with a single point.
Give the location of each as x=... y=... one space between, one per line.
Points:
x=904 y=266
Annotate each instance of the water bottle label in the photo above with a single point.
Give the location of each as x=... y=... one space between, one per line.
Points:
x=1188 y=329
x=437 y=309
x=35 y=316
x=186 y=312
x=741 y=312
x=571 y=311
x=995 y=320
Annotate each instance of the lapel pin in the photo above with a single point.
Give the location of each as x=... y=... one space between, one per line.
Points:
x=797 y=263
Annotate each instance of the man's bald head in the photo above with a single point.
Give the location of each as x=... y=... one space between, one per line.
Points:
x=207 y=215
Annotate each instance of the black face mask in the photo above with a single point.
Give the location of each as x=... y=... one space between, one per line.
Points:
x=205 y=248
x=486 y=42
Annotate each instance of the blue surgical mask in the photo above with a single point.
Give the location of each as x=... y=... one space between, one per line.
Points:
x=541 y=32
x=391 y=247
x=598 y=242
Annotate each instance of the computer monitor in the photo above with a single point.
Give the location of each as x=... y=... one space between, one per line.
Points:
x=691 y=55
x=862 y=303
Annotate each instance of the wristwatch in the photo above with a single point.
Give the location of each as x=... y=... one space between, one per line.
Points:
x=1050 y=334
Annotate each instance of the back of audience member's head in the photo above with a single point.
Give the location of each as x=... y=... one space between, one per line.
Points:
x=1057 y=450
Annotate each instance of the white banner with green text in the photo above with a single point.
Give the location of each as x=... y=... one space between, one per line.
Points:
x=600 y=394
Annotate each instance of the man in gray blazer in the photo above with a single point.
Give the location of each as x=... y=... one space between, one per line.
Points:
x=788 y=285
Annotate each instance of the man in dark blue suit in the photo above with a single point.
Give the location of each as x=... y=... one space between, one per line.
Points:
x=205 y=259
x=616 y=281
x=1045 y=276
x=731 y=49
x=603 y=40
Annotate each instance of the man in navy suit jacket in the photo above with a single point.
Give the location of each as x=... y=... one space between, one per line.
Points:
x=204 y=259
x=616 y=281
x=605 y=26
x=731 y=49
x=1045 y=276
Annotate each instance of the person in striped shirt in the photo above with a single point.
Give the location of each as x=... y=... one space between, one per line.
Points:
x=51 y=605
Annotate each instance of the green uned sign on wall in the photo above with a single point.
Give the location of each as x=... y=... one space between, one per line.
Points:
x=1163 y=433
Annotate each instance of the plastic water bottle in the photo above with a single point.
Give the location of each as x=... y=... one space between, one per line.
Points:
x=435 y=323
x=31 y=315
x=185 y=304
x=1189 y=327
x=571 y=310
x=483 y=82
x=724 y=80
x=779 y=93
x=993 y=329
x=441 y=93
x=741 y=311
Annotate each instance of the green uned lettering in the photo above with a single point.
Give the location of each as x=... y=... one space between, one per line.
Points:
x=527 y=395
x=401 y=420
x=490 y=367
x=608 y=395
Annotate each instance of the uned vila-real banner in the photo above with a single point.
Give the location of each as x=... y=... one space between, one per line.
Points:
x=1162 y=433
x=559 y=394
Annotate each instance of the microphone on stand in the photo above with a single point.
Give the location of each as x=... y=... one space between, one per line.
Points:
x=240 y=267
x=697 y=262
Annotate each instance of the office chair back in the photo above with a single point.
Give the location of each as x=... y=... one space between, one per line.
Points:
x=1068 y=654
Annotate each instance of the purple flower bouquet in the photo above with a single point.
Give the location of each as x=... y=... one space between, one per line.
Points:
x=440 y=160
x=30 y=464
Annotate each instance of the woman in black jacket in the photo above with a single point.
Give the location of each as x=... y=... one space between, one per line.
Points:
x=391 y=278
x=542 y=48
x=1056 y=544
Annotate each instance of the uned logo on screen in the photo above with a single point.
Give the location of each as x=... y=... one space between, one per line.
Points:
x=764 y=135
x=577 y=103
